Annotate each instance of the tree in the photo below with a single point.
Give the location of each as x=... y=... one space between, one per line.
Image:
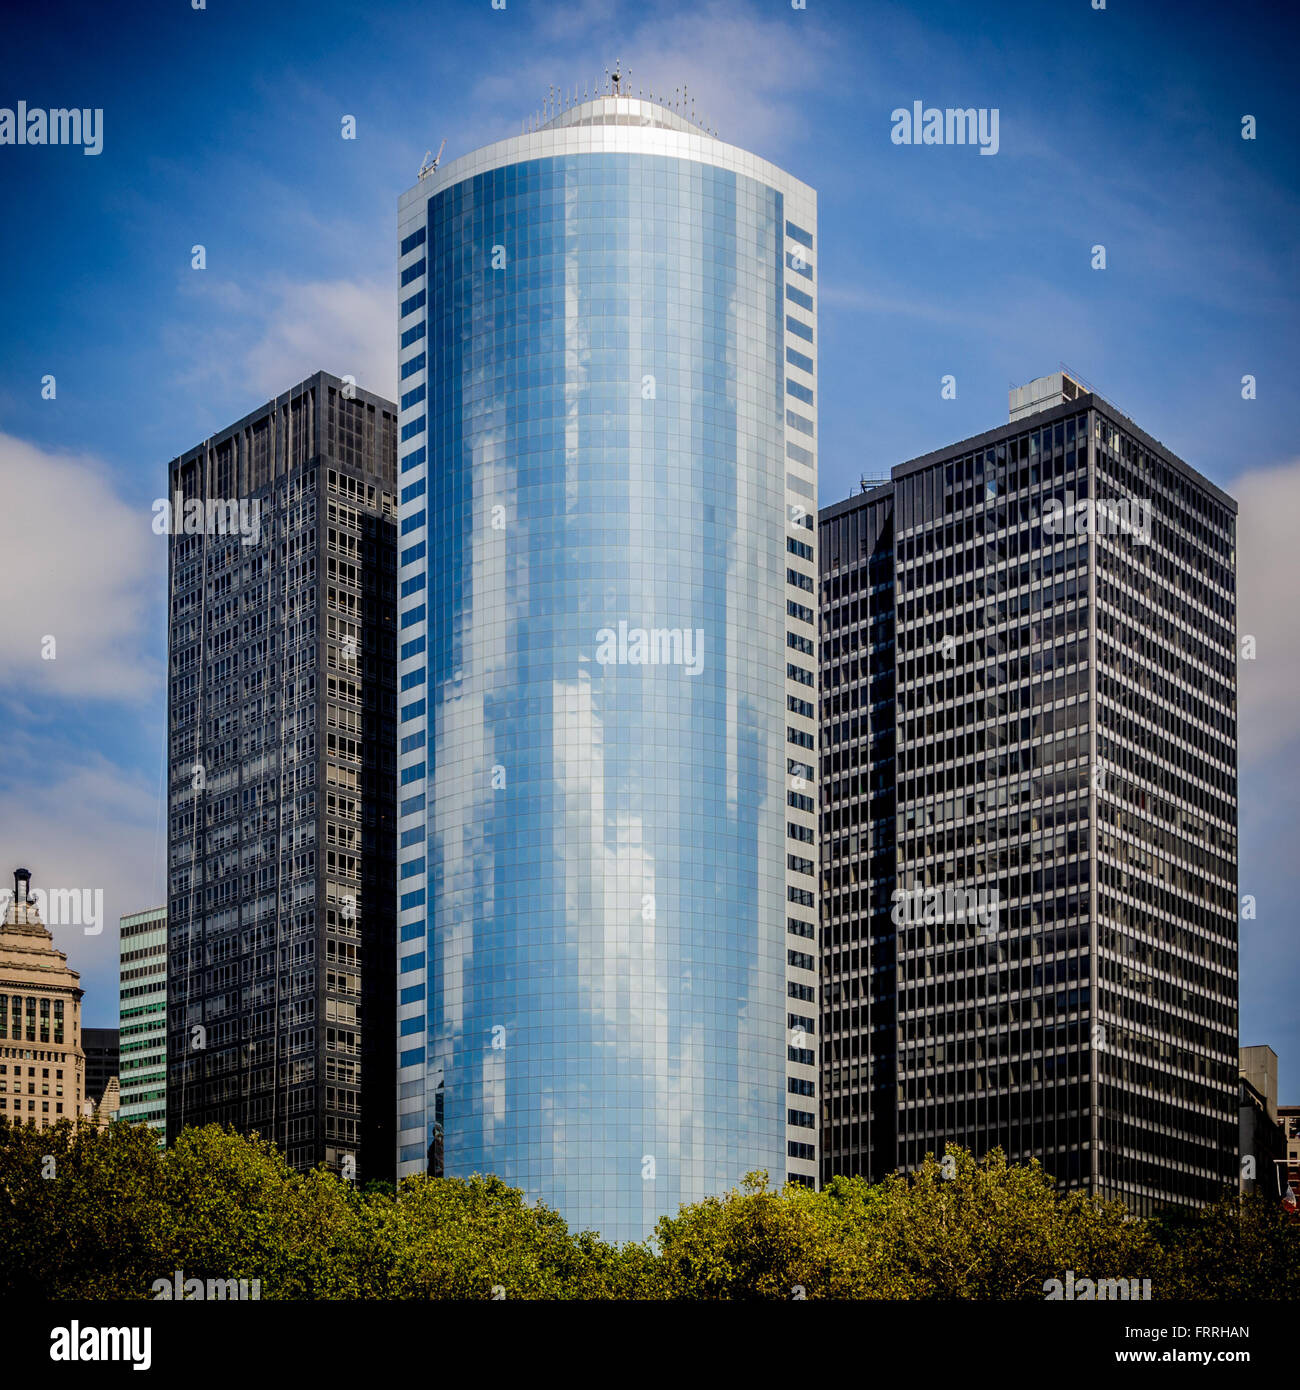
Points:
x=236 y=1210
x=1245 y=1247
x=955 y=1229
x=993 y=1230
x=82 y=1211
x=101 y=1214
x=478 y=1238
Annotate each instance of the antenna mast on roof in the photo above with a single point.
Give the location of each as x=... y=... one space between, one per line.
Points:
x=430 y=165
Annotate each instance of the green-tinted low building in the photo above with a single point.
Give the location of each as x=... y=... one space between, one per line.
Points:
x=142 y=994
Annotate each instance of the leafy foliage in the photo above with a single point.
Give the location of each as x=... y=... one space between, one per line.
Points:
x=102 y=1214
x=1245 y=1248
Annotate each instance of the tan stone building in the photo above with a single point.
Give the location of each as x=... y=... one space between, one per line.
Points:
x=42 y=1067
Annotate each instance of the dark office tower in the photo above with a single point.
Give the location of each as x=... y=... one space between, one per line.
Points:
x=282 y=906
x=1064 y=767
x=100 y=1047
x=859 y=980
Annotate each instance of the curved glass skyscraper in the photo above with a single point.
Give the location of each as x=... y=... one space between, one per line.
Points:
x=607 y=839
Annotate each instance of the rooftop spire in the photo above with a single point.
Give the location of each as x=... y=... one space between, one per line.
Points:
x=22 y=911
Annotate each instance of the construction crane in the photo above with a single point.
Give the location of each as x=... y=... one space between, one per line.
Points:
x=430 y=165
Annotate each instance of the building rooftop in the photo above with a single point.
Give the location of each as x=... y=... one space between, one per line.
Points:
x=22 y=916
x=606 y=118
x=1043 y=401
x=612 y=102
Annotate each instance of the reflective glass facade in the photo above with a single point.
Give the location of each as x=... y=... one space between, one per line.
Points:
x=594 y=979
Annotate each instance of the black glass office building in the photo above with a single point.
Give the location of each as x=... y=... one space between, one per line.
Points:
x=858 y=839
x=281 y=914
x=607 y=986
x=1055 y=819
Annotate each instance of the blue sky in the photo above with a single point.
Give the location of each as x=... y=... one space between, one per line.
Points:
x=222 y=128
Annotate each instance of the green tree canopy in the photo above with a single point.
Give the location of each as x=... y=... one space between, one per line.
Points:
x=102 y=1214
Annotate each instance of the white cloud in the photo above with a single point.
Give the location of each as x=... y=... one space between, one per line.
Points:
x=81 y=566
x=342 y=326
x=858 y=299
x=258 y=341
x=751 y=97
x=92 y=825
x=1268 y=579
x=746 y=69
